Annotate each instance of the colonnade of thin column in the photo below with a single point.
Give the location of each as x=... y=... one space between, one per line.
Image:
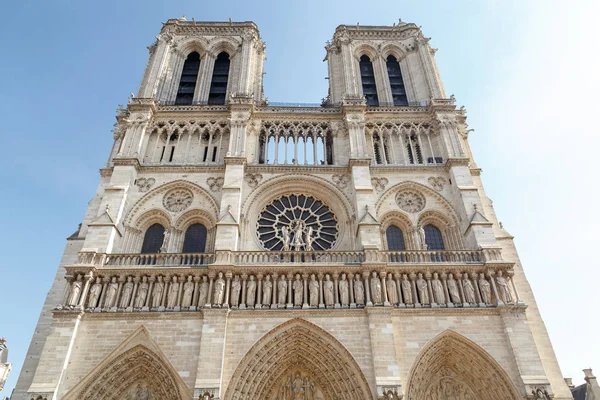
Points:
x=386 y=139
x=278 y=159
x=188 y=157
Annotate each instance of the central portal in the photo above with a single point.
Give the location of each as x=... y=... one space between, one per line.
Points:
x=298 y=385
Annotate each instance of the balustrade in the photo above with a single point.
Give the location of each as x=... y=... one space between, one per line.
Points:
x=160 y=289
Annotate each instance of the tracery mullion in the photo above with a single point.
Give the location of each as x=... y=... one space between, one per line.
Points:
x=406 y=159
x=391 y=146
x=421 y=147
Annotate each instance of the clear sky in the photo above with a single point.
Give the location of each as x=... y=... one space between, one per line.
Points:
x=527 y=72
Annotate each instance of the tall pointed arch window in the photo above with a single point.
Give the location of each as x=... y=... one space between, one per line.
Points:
x=395 y=238
x=433 y=238
x=218 y=85
x=396 y=81
x=153 y=239
x=367 y=77
x=195 y=239
x=189 y=76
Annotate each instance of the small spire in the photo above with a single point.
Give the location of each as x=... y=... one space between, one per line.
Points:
x=501 y=226
x=475 y=207
x=230 y=22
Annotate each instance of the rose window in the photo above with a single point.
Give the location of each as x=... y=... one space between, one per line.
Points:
x=178 y=200
x=297 y=222
x=410 y=200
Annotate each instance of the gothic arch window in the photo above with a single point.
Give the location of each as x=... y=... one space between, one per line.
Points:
x=433 y=238
x=218 y=84
x=367 y=77
x=195 y=239
x=395 y=238
x=415 y=155
x=189 y=76
x=153 y=239
x=396 y=81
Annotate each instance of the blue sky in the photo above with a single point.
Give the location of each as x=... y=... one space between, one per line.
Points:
x=525 y=70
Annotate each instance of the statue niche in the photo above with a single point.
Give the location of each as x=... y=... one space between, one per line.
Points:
x=297 y=385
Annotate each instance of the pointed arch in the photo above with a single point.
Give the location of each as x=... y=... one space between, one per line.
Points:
x=451 y=364
x=137 y=363
x=298 y=345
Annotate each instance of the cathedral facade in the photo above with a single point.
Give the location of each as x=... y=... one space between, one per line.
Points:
x=237 y=249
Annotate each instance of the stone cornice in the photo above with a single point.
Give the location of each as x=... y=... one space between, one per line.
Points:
x=179 y=26
x=457 y=162
x=287 y=169
x=235 y=160
x=141 y=104
x=382 y=169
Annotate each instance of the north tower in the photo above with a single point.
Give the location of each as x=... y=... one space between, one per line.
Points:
x=238 y=249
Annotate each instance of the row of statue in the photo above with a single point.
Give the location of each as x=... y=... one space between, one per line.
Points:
x=288 y=291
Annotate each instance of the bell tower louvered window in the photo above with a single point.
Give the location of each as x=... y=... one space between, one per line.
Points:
x=195 y=239
x=218 y=85
x=187 y=83
x=367 y=77
x=153 y=239
x=396 y=82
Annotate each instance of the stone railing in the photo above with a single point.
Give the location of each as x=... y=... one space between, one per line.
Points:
x=293 y=257
x=145 y=260
x=263 y=287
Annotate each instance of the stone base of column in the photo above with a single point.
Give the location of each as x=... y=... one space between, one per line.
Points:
x=337 y=306
x=258 y=306
x=321 y=305
x=207 y=306
x=192 y=308
x=352 y=305
x=129 y=309
x=387 y=304
x=242 y=306
x=305 y=306
x=369 y=304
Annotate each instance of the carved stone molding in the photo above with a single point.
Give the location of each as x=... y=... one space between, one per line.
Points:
x=253 y=179
x=437 y=182
x=410 y=200
x=341 y=180
x=178 y=200
x=144 y=184
x=215 y=184
x=379 y=184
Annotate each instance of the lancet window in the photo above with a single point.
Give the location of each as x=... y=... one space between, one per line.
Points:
x=367 y=77
x=218 y=84
x=187 y=143
x=433 y=238
x=187 y=82
x=395 y=238
x=153 y=239
x=396 y=81
x=295 y=144
x=195 y=239
x=404 y=144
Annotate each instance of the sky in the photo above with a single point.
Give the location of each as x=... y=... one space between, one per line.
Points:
x=526 y=71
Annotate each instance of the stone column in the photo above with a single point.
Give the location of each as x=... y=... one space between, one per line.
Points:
x=228 y=276
x=321 y=301
x=120 y=280
x=136 y=282
x=490 y=275
x=368 y=301
x=243 y=301
x=163 y=301
x=259 y=278
x=196 y=296
x=274 y=277
x=510 y=275
x=413 y=278
x=444 y=278
x=209 y=295
x=336 y=291
x=383 y=277
x=477 y=292
x=351 y=289
x=399 y=289
x=86 y=288
x=150 y=289
x=105 y=281
x=290 y=300
x=429 y=290
x=305 y=290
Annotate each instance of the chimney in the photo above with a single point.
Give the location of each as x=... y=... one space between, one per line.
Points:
x=569 y=382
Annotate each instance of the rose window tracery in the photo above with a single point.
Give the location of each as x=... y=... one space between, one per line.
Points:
x=297 y=222
x=178 y=200
x=410 y=201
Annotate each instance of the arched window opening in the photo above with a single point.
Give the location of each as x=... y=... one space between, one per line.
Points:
x=329 y=149
x=396 y=82
x=218 y=85
x=195 y=239
x=367 y=77
x=189 y=76
x=433 y=238
x=262 y=148
x=395 y=238
x=153 y=239
x=415 y=156
x=312 y=152
x=377 y=151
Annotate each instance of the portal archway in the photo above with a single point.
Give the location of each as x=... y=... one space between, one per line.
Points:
x=302 y=360
x=453 y=367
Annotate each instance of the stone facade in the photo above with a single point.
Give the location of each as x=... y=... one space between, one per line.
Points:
x=238 y=249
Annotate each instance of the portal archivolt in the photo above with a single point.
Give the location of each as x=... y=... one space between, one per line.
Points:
x=298 y=360
x=453 y=367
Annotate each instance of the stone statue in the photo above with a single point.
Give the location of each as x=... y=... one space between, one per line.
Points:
x=438 y=289
x=285 y=236
x=503 y=291
x=219 y=290
x=298 y=287
x=111 y=293
x=453 y=289
x=203 y=296
x=236 y=286
x=468 y=290
x=328 y=291
x=313 y=289
x=344 y=291
x=298 y=242
x=173 y=293
x=308 y=239
x=165 y=243
x=267 y=290
x=375 y=288
x=157 y=292
x=126 y=294
x=142 y=293
x=423 y=238
x=392 y=291
x=281 y=290
x=250 y=291
x=406 y=290
x=422 y=289
x=95 y=292
x=188 y=292
x=359 y=291
x=486 y=290
x=75 y=291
